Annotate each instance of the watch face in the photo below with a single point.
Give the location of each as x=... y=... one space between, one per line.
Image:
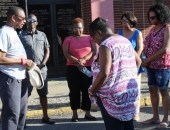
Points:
x=43 y=65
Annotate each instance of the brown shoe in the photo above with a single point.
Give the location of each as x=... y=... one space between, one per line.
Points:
x=48 y=121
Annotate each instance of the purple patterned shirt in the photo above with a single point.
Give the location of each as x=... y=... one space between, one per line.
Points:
x=119 y=94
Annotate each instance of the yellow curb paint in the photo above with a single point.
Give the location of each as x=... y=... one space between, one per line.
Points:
x=30 y=114
x=147 y=101
x=142 y=102
x=66 y=110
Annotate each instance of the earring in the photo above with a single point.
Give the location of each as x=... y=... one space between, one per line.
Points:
x=100 y=37
x=131 y=25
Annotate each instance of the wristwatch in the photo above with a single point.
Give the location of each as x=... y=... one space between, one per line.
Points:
x=43 y=65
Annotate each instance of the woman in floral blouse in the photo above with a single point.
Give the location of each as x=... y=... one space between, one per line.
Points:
x=157 y=51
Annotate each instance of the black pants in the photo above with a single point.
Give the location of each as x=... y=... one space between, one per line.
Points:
x=112 y=123
x=78 y=82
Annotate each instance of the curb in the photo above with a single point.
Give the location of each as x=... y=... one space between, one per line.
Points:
x=51 y=112
x=144 y=101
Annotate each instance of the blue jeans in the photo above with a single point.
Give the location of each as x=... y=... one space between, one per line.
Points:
x=158 y=77
x=112 y=123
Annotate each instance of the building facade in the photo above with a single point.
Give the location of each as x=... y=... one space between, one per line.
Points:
x=55 y=16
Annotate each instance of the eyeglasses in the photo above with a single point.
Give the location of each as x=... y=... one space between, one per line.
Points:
x=124 y=21
x=31 y=20
x=20 y=17
x=93 y=35
x=152 y=17
x=77 y=28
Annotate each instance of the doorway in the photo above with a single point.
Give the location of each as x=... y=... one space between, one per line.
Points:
x=55 y=20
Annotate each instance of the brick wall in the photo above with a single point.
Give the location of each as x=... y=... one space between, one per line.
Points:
x=86 y=14
x=139 y=8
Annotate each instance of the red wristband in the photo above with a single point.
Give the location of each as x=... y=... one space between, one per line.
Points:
x=22 y=61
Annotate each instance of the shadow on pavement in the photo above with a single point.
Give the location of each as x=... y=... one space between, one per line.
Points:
x=148 y=110
x=145 y=114
x=66 y=124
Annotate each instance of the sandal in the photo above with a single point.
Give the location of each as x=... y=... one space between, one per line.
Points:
x=151 y=121
x=162 y=125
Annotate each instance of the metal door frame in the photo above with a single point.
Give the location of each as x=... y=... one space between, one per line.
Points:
x=52 y=4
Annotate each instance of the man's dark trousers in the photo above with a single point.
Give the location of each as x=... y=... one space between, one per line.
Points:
x=14 y=95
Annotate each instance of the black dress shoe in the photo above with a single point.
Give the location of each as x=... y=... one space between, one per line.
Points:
x=74 y=119
x=48 y=121
x=92 y=118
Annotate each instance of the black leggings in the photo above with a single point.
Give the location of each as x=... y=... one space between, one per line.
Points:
x=78 y=82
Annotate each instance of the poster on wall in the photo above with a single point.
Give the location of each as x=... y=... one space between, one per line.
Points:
x=65 y=13
x=4 y=6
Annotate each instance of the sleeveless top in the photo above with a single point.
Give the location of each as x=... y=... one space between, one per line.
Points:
x=153 y=42
x=133 y=38
x=119 y=94
x=133 y=41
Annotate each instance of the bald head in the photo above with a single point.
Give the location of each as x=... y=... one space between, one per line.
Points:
x=15 y=17
x=32 y=16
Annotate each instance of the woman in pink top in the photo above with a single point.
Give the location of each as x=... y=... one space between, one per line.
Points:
x=79 y=50
x=157 y=62
x=114 y=88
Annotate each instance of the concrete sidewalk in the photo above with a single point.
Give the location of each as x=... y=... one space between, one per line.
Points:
x=58 y=99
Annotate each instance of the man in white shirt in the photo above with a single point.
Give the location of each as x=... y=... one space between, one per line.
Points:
x=13 y=63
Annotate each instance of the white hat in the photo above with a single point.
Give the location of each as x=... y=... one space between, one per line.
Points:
x=36 y=78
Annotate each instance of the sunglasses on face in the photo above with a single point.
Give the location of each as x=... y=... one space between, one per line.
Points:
x=31 y=20
x=152 y=17
x=20 y=17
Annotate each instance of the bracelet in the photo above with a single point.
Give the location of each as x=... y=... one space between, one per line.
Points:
x=22 y=61
x=91 y=94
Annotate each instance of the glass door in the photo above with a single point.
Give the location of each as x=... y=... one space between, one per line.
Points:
x=65 y=13
x=43 y=13
x=55 y=20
